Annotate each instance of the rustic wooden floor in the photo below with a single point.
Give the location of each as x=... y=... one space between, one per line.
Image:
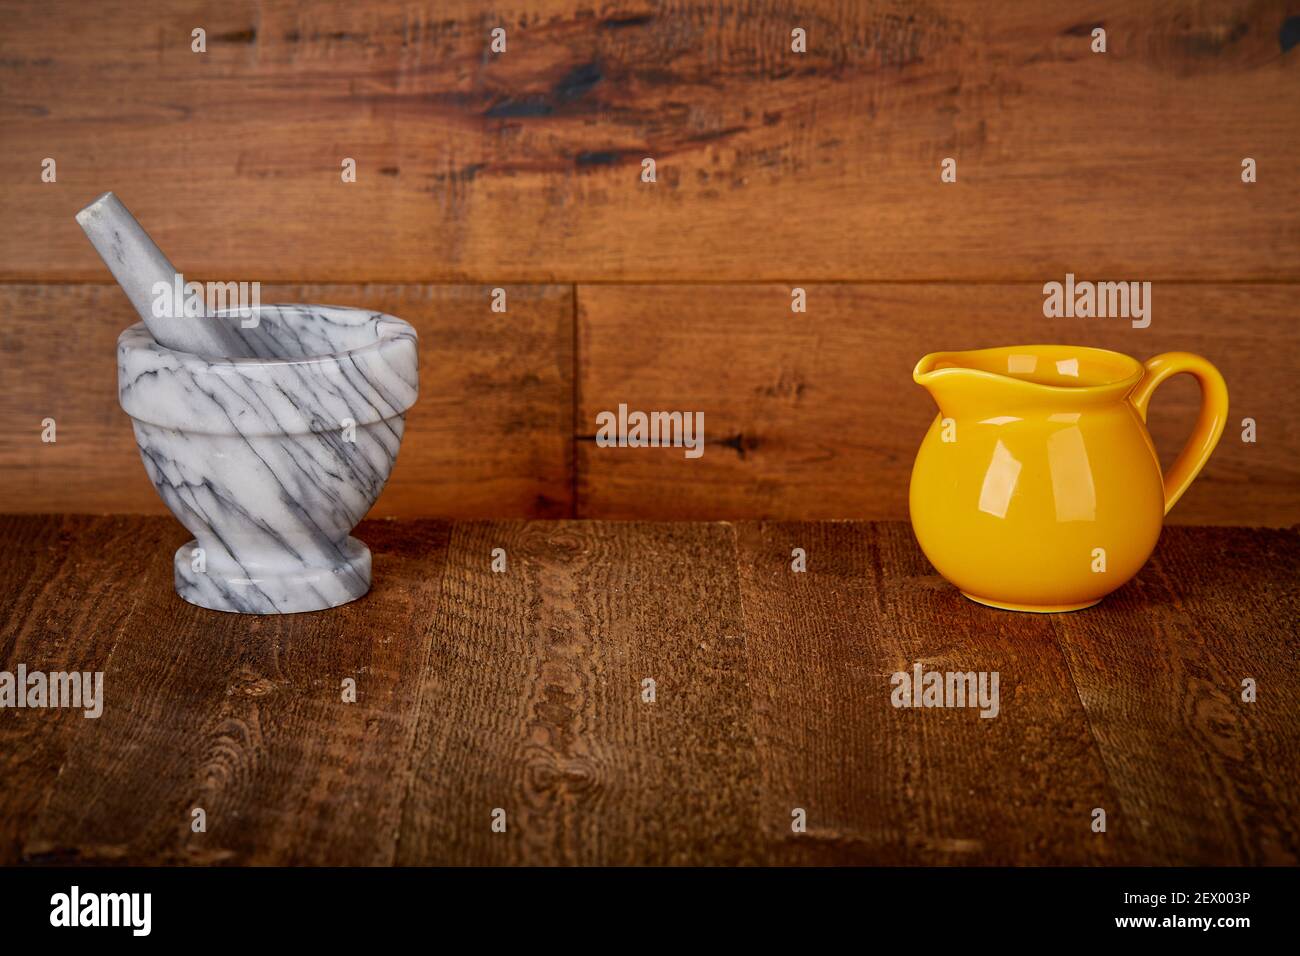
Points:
x=523 y=691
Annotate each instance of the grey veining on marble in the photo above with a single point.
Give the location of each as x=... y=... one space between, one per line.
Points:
x=271 y=462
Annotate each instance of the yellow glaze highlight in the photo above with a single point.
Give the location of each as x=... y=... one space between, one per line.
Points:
x=1037 y=487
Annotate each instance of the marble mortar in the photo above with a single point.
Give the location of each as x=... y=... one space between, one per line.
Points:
x=270 y=462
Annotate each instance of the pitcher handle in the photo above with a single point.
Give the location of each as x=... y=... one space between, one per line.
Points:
x=1209 y=424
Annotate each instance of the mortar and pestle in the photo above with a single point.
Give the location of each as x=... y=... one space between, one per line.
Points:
x=268 y=439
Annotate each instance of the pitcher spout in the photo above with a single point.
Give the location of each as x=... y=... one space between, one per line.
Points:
x=953 y=385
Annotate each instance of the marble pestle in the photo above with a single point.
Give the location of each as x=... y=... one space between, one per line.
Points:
x=138 y=265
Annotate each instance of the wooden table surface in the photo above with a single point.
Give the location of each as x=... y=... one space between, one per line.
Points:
x=523 y=691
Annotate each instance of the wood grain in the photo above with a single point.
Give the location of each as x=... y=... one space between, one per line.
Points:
x=242 y=717
x=1205 y=777
x=816 y=416
x=66 y=600
x=532 y=701
x=882 y=784
x=489 y=435
x=772 y=166
x=809 y=415
x=522 y=690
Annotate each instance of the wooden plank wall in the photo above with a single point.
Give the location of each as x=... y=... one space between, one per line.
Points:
x=774 y=169
x=489 y=434
x=820 y=408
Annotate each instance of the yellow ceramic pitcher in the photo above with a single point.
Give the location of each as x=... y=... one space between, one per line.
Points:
x=1037 y=487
